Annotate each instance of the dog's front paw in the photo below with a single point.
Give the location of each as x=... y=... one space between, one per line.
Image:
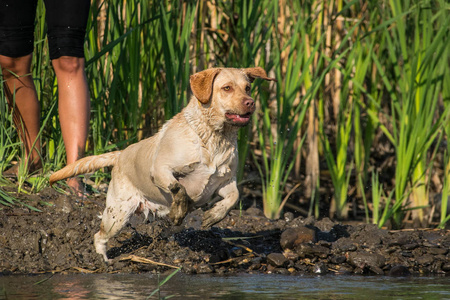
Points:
x=181 y=203
x=212 y=217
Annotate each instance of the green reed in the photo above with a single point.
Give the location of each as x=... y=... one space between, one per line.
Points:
x=416 y=117
x=338 y=164
x=279 y=127
x=445 y=203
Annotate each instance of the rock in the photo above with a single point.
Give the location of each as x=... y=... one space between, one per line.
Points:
x=270 y=268
x=436 y=267
x=119 y=265
x=293 y=237
x=237 y=251
x=203 y=268
x=369 y=235
x=376 y=270
x=344 y=271
x=406 y=254
x=320 y=268
x=425 y=260
x=399 y=271
x=219 y=255
x=311 y=250
x=344 y=245
x=300 y=221
x=325 y=224
x=255 y=263
x=289 y=254
x=340 y=231
x=446 y=267
x=325 y=244
x=189 y=268
x=411 y=246
x=281 y=271
x=254 y=211
x=299 y=266
x=337 y=259
x=431 y=236
x=277 y=259
x=437 y=251
x=221 y=271
x=289 y=216
x=363 y=259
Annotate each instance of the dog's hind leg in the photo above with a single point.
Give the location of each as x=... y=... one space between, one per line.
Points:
x=115 y=216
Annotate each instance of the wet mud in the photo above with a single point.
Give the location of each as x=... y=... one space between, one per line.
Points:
x=59 y=238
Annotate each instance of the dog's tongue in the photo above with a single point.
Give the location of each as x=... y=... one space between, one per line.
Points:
x=238 y=118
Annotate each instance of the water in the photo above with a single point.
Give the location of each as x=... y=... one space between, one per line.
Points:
x=140 y=286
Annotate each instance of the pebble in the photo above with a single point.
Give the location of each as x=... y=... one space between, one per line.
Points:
x=218 y=256
x=277 y=259
x=446 y=267
x=320 y=268
x=292 y=237
x=344 y=245
x=288 y=217
x=204 y=268
x=337 y=259
x=410 y=246
x=376 y=270
x=282 y=271
x=311 y=250
x=425 y=260
x=363 y=259
x=406 y=254
x=399 y=271
x=437 y=251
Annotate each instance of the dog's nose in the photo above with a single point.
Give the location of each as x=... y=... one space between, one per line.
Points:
x=248 y=102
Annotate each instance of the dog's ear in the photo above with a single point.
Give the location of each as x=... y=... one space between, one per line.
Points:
x=258 y=72
x=202 y=84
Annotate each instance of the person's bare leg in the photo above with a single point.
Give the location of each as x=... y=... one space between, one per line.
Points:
x=74 y=109
x=22 y=93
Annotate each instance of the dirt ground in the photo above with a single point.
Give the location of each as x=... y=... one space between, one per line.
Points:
x=60 y=239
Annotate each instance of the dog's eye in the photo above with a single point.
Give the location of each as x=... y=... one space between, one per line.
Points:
x=248 y=88
x=227 y=88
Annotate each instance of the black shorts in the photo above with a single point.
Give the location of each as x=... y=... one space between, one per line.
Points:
x=66 y=23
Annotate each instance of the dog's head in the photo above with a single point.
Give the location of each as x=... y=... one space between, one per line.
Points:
x=226 y=91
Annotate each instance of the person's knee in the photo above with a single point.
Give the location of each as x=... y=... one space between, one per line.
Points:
x=15 y=66
x=68 y=64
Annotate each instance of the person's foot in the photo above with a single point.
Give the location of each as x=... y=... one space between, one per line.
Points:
x=77 y=187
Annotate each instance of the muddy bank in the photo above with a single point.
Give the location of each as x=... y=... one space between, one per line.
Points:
x=60 y=239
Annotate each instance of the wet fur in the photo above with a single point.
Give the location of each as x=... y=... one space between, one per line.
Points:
x=192 y=157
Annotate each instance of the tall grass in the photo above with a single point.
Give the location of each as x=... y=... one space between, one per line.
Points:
x=371 y=78
x=417 y=56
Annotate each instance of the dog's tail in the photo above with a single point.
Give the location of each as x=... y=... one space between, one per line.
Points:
x=86 y=165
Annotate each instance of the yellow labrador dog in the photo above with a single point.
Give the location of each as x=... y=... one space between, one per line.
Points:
x=193 y=156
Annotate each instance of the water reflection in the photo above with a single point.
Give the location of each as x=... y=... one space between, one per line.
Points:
x=69 y=289
x=245 y=286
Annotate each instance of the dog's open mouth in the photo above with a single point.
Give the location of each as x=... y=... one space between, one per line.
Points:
x=238 y=119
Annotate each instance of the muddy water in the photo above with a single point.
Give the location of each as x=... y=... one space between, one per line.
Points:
x=245 y=286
